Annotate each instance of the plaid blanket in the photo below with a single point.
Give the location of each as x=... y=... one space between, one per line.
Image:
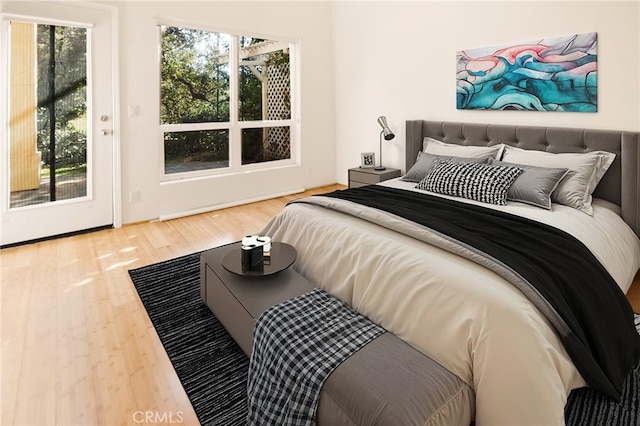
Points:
x=296 y=345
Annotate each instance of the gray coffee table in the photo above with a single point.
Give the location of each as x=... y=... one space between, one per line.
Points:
x=238 y=300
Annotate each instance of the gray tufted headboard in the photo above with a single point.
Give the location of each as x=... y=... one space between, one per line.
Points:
x=619 y=185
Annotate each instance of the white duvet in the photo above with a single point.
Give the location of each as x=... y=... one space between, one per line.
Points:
x=457 y=312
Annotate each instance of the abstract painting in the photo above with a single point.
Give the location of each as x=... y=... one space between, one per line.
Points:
x=552 y=74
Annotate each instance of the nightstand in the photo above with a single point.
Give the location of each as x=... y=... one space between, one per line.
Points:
x=359 y=176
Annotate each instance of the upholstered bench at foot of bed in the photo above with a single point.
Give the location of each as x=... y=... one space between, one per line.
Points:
x=388 y=382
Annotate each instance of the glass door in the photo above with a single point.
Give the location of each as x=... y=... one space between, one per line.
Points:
x=58 y=150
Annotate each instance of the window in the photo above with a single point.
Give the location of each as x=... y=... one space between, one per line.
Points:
x=48 y=113
x=225 y=102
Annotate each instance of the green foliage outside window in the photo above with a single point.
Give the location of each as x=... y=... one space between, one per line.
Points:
x=69 y=99
x=195 y=88
x=194 y=84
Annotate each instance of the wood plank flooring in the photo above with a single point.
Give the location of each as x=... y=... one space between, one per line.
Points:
x=77 y=345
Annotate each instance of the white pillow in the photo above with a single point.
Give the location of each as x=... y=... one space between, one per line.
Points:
x=436 y=147
x=585 y=171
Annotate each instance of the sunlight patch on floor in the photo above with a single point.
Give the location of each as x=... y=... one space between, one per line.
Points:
x=121 y=264
x=79 y=284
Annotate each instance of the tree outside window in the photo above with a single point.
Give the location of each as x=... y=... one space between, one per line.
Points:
x=221 y=93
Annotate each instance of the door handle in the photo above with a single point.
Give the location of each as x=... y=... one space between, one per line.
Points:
x=105 y=132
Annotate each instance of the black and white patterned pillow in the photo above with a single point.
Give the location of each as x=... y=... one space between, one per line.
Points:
x=475 y=181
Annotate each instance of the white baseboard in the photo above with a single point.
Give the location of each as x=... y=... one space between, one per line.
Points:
x=207 y=209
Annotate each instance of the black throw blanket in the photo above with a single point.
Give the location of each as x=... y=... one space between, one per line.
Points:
x=602 y=340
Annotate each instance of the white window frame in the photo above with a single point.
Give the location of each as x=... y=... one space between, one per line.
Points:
x=234 y=126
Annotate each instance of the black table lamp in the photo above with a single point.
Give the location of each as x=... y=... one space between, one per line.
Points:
x=388 y=135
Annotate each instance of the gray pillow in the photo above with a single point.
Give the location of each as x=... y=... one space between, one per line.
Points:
x=585 y=171
x=424 y=164
x=534 y=185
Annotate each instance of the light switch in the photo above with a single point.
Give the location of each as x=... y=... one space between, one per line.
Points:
x=134 y=110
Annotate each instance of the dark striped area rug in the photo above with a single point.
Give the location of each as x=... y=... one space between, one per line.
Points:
x=210 y=365
x=213 y=369
x=588 y=407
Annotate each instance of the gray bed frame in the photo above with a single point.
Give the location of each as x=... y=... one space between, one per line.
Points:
x=620 y=185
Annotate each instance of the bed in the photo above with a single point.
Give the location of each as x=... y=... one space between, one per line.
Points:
x=454 y=307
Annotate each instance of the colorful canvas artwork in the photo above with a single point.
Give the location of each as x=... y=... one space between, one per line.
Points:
x=554 y=74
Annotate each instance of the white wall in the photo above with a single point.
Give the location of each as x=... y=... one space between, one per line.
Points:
x=359 y=60
x=398 y=59
x=308 y=22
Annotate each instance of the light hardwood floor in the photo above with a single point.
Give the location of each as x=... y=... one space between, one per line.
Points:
x=77 y=345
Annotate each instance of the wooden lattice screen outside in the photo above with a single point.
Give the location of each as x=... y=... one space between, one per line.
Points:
x=277 y=140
